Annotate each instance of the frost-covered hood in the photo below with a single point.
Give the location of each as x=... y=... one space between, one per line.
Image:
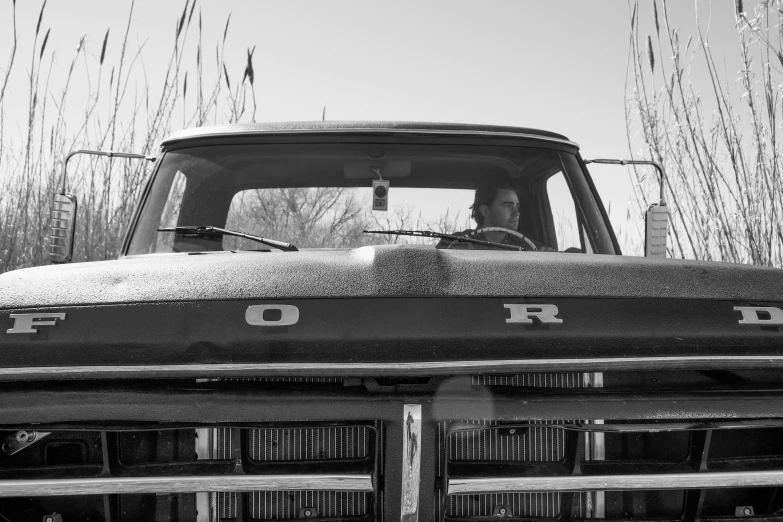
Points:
x=378 y=310
x=381 y=271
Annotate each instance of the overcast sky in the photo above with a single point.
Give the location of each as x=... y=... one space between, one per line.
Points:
x=559 y=66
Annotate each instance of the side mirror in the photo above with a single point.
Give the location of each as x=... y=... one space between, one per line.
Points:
x=63 y=227
x=64 y=209
x=656 y=229
x=656 y=218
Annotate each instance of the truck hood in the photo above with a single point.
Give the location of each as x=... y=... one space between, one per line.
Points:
x=381 y=271
x=397 y=310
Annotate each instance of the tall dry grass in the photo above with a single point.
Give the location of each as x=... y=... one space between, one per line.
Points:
x=718 y=141
x=115 y=116
x=721 y=151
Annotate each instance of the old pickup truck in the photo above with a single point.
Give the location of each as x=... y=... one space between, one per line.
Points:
x=333 y=321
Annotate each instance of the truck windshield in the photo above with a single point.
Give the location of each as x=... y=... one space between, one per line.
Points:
x=327 y=195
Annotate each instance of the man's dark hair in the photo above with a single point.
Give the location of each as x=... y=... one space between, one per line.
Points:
x=486 y=193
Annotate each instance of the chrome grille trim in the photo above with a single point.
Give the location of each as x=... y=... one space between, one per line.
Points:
x=595 y=449
x=205 y=502
x=423 y=368
x=616 y=482
x=411 y=462
x=183 y=484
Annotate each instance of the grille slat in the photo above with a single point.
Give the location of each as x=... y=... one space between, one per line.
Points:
x=271 y=445
x=539 y=444
x=308 y=444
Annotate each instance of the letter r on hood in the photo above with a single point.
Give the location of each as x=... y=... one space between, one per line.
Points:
x=524 y=313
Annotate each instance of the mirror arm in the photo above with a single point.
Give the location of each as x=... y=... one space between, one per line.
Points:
x=64 y=207
x=656 y=217
x=636 y=162
x=109 y=154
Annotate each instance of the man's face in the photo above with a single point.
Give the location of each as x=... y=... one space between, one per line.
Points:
x=503 y=211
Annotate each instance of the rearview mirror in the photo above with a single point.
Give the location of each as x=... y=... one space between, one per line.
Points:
x=389 y=168
x=63 y=226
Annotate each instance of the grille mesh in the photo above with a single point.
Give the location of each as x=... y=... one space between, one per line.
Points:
x=284 y=379
x=542 y=444
x=322 y=443
x=224 y=449
x=532 y=380
x=519 y=504
x=276 y=505
x=297 y=444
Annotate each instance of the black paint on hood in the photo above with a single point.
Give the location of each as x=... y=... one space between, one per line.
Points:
x=382 y=271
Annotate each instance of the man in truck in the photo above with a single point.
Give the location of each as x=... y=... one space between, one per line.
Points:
x=496 y=212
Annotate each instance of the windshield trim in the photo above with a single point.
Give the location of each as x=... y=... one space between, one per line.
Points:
x=413 y=368
x=131 y=228
x=230 y=139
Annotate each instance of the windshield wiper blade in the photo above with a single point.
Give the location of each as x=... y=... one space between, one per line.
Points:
x=430 y=233
x=206 y=231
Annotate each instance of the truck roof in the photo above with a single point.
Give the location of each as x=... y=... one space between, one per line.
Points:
x=374 y=127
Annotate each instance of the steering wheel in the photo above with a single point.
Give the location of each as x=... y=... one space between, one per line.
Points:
x=512 y=232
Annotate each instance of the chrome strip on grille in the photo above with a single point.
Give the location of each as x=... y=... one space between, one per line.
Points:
x=616 y=482
x=596 y=450
x=411 y=463
x=423 y=368
x=205 y=504
x=183 y=484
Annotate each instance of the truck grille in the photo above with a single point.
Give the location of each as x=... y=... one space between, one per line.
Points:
x=519 y=463
x=143 y=474
x=492 y=448
x=347 y=447
x=497 y=447
x=668 y=470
